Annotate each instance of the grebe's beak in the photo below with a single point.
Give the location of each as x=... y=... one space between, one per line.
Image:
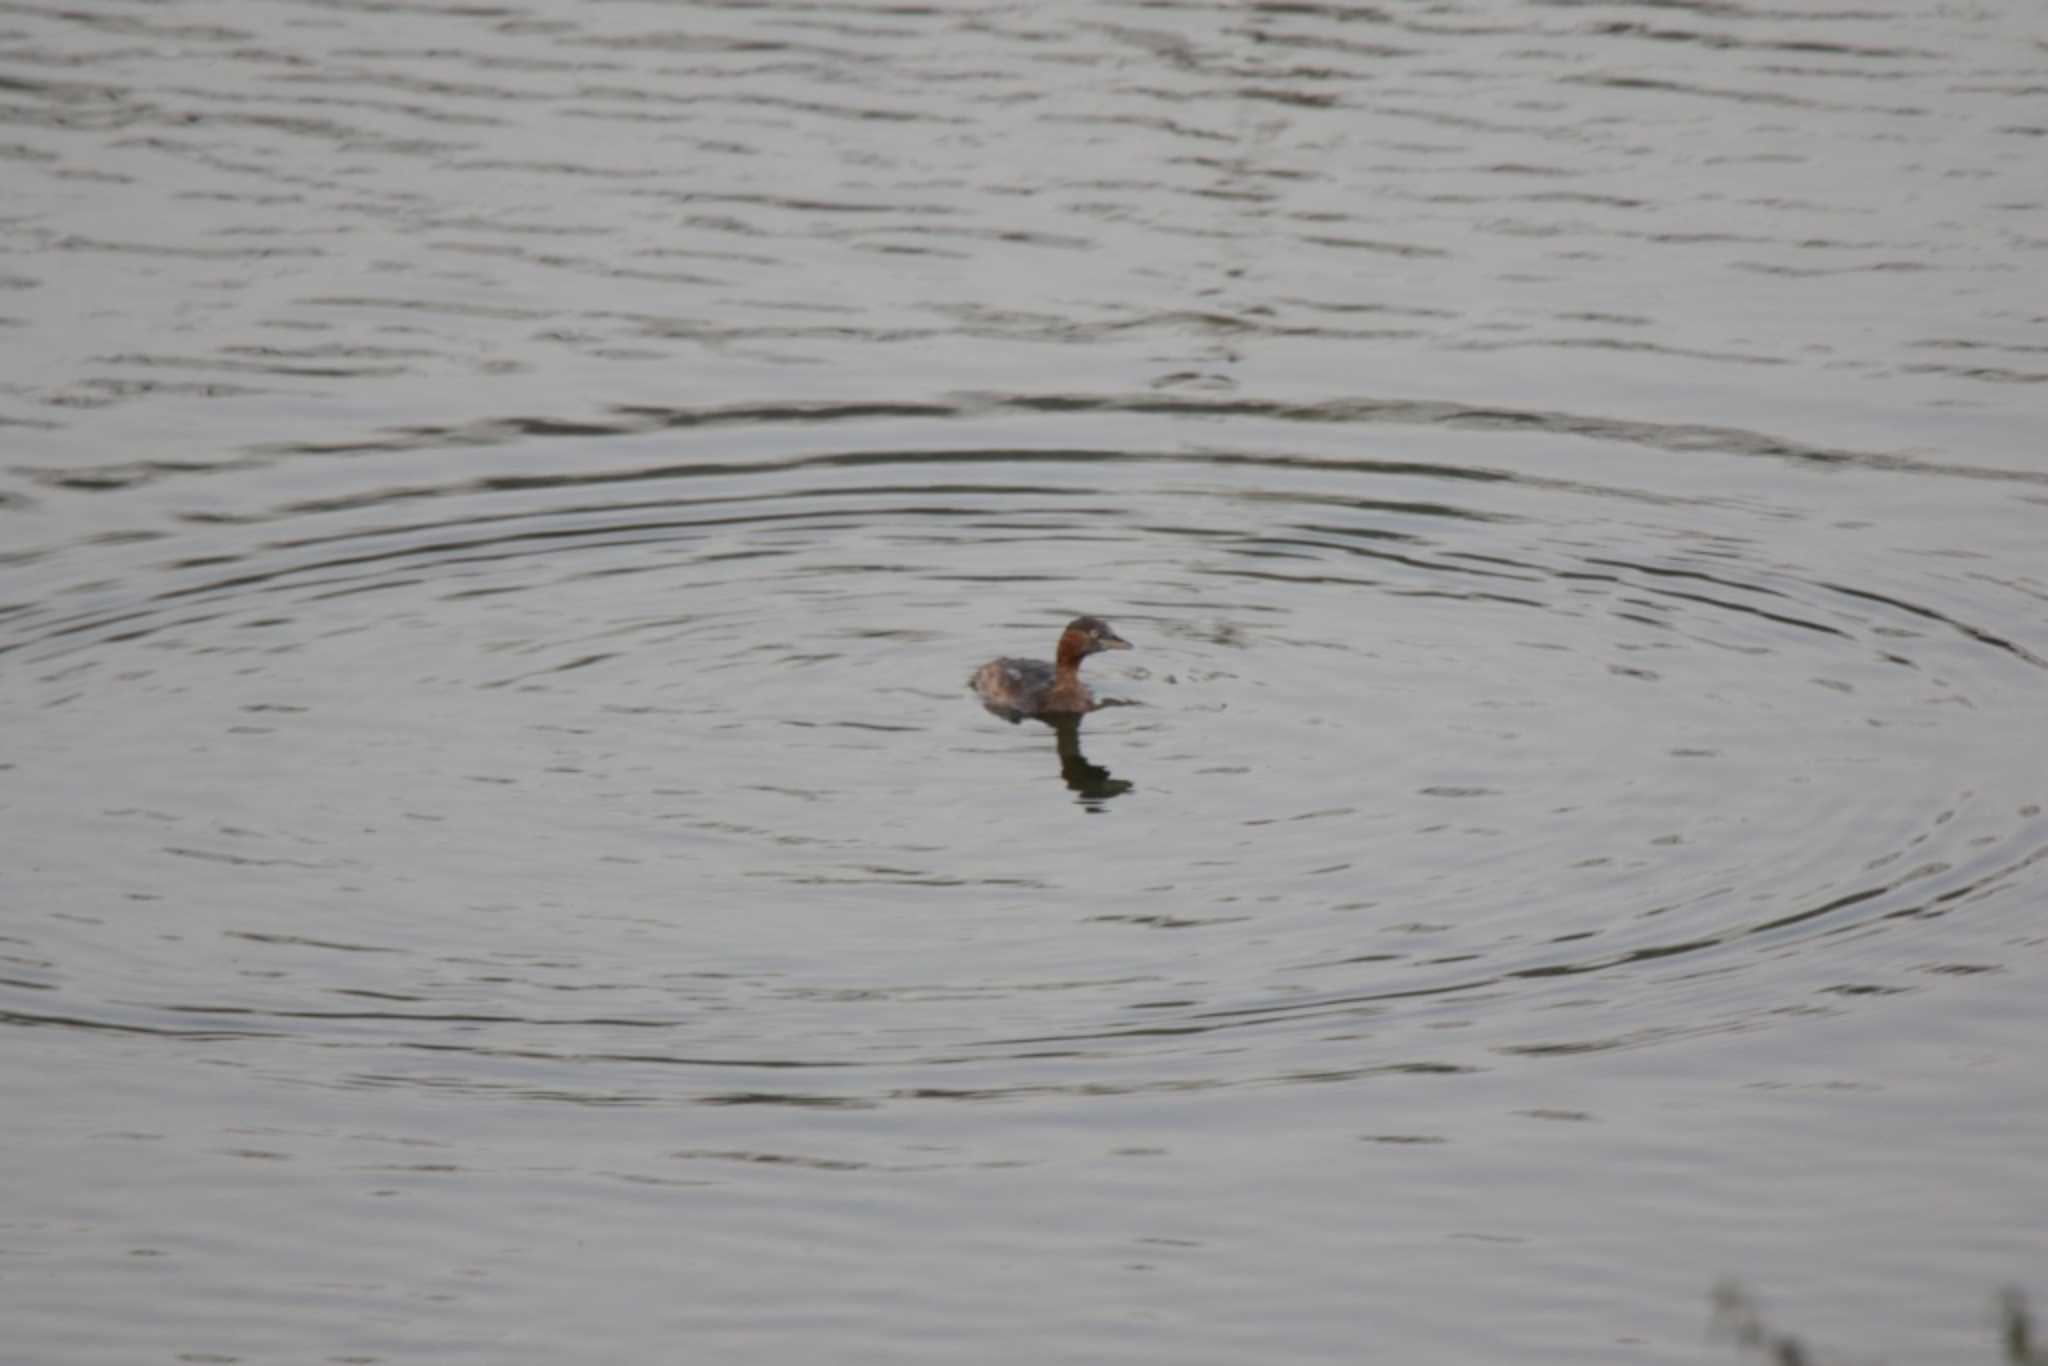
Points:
x=1109 y=640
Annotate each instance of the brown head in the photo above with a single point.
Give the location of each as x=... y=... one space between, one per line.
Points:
x=1085 y=636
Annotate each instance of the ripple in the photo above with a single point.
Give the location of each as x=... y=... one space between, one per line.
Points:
x=1586 y=763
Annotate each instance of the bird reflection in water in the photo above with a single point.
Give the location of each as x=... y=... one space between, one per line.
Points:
x=1093 y=783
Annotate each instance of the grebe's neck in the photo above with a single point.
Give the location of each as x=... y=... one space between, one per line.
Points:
x=1073 y=649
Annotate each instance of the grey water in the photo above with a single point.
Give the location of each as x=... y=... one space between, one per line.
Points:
x=498 y=505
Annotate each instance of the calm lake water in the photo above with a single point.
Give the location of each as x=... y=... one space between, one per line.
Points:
x=499 y=506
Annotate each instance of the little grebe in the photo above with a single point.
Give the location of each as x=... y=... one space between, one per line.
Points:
x=1016 y=688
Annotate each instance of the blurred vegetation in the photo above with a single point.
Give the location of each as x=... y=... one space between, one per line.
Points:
x=1737 y=1317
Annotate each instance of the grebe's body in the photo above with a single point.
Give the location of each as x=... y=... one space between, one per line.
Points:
x=1016 y=688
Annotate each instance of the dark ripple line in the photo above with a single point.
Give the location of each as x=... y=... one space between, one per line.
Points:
x=1671 y=572
x=1238 y=1016
x=1637 y=29
x=469 y=551
x=1742 y=607
x=27 y=1019
x=1976 y=633
x=456 y=1017
x=630 y=420
x=381 y=497
x=1667 y=87
x=1368 y=553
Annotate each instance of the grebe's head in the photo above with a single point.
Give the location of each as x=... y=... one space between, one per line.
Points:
x=1090 y=635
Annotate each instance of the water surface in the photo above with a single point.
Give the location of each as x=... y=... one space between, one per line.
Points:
x=500 y=508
